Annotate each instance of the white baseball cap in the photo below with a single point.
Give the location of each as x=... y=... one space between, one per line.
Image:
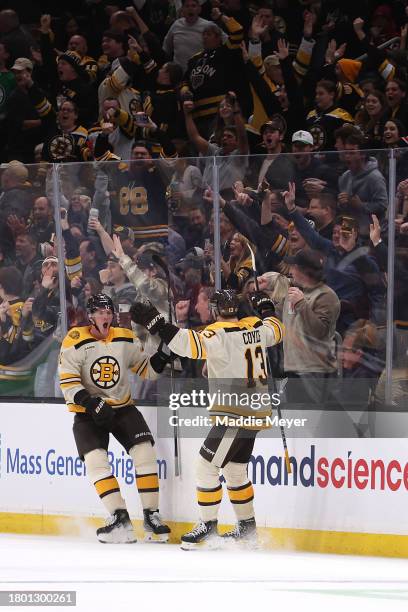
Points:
x=303 y=137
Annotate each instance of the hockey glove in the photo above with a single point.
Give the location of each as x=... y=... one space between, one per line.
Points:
x=101 y=412
x=262 y=304
x=147 y=315
x=161 y=358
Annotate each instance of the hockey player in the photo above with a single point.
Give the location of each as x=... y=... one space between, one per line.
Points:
x=234 y=349
x=93 y=369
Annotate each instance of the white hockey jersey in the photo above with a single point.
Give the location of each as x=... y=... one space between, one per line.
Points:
x=236 y=362
x=101 y=366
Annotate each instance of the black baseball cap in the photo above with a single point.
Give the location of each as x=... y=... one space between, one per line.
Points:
x=306 y=259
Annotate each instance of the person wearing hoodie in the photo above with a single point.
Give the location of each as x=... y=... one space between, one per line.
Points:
x=362 y=188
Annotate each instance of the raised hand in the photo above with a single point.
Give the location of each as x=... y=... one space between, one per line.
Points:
x=16 y=225
x=330 y=51
x=289 y=197
x=45 y=23
x=375 y=230
x=134 y=45
x=358 y=24
x=283 y=49
x=258 y=27
x=117 y=247
x=182 y=308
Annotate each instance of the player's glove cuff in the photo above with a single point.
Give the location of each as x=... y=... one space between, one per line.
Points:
x=161 y=358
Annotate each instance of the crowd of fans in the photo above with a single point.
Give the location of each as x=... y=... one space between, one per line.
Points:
x=135 y=121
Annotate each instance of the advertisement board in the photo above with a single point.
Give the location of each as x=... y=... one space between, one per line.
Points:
x=355 y=486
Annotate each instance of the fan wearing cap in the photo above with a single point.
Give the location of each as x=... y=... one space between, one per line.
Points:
x=72 y=81
x=74 y=85
x=311 y=175
x=276 y=169
x=94 y=376
x=77 y=43
x=309 y=313
x=65 y=138
x=127 y=239
x=43 y=318
x=23 y=122
x=346 y=73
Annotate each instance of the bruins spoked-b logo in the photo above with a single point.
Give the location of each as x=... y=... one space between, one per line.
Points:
x=61 y=147
x=105 y=372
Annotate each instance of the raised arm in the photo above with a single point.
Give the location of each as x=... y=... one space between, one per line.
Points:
x=194 y=135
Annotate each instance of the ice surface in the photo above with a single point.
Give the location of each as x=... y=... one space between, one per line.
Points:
x=163 y=578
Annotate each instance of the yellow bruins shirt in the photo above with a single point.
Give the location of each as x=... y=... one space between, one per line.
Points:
x=236 y=362
x=101 y=366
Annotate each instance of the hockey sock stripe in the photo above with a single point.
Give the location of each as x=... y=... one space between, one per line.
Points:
x=242 y=494
x=147 y=483
x=105 y=486
x=209 y=497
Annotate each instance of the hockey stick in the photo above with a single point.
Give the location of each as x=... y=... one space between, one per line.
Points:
x=282 y=430
x=162 y=264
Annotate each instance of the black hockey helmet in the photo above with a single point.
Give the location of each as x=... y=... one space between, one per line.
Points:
x=224 y=303
x=99 y=300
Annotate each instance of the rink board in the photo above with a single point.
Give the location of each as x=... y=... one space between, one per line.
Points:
x=344 y=495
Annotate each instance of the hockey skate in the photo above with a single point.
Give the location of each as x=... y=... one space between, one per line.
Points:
x=118 y=529
x=244 y=533
x=200 y=534
x=155 y=529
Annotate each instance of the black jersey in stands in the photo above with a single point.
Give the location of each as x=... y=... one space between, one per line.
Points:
x=139 y=201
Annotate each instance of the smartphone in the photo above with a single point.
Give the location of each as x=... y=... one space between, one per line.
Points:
x=142 y=118
x=348 y=224
x=63 y=213
x=123 y=307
